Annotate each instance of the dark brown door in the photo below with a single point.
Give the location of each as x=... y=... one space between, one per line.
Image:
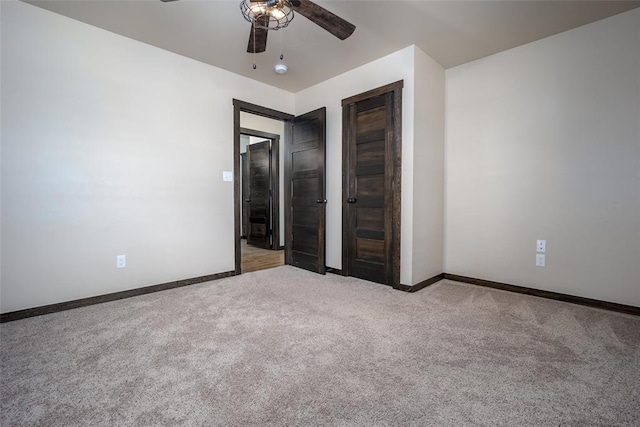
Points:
x=259 y=206
x=371 y=207
x=244 y=167
x=305 y=192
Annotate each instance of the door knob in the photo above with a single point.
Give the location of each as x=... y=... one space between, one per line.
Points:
x=247 y=200
x=352 y=200
x=321 y=201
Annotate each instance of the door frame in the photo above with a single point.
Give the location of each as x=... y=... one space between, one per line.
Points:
x=394 y=170
x=274 y=180
x=246 y=107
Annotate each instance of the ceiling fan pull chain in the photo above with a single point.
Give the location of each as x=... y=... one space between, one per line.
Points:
x=253 y=26
x=281 y=46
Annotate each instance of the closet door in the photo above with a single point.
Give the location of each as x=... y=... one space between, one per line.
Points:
x=371 y=187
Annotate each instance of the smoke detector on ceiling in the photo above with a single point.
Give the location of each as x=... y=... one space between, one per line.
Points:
x=281 y=68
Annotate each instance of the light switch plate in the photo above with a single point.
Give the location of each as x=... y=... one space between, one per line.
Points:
x=227 y=176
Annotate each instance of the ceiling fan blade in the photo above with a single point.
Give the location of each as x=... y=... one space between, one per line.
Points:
x=259 y=37
x=322 y=17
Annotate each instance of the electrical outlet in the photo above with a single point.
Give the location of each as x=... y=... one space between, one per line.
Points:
x=541 y=260
x=227 y=176
x=541 y=246
x=121 y=261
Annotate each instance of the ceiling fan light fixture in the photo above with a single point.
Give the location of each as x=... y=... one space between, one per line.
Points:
x=277 y=14
x=256 y=9
x=269 y=14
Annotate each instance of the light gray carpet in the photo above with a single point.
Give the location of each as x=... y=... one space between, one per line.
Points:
x=289 y=347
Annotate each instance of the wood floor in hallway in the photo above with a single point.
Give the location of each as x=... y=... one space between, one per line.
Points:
x=254 y=259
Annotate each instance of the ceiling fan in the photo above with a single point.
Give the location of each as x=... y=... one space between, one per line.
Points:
x=262 y=14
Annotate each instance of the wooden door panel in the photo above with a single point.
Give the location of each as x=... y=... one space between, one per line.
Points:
x=304 y=134
x=304 y=187
x=244 y=165
x=304 y=161
x=370 y=157
x=306 y=239
x=305 y=192
x=371 y=124
x=370 y=105
x=370 y=219
x=367 y=270
x=258 y=229
x=259 y=196
x=369 y=191
x=367 y=167
x=306 y=215
x=371 y=207
x=304 y=197
x=375 y=135
x=370 y=250
x=368 y=234
x=306 y=261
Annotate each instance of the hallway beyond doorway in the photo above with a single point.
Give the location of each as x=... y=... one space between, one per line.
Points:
x=254 y=258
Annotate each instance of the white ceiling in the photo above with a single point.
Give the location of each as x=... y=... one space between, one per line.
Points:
x=451 y=32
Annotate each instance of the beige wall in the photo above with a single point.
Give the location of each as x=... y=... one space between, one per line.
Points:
x=543 y=142
x=428 y=168
x=111 y=146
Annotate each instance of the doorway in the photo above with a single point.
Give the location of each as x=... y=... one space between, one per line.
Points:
x=371 y=156
x=261 y=243
x=303 y=233
x=260 y=187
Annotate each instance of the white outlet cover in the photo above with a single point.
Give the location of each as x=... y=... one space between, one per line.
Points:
x=541 y=260
x=227 y=176
x=541 y=246
x=121 y=261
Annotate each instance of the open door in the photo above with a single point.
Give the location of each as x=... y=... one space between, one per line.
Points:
x=244 y=188
x=305 y=191
x=259 y=175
